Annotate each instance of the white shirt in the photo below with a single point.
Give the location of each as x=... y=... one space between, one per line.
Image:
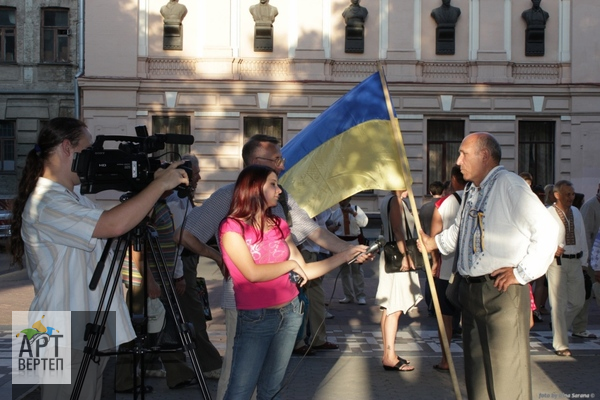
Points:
x=580 y=238
x=518 y=231
x=61 y=256
x=361 y=220
x=448 y=211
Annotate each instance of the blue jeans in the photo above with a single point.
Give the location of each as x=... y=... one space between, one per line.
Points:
x=263 y=344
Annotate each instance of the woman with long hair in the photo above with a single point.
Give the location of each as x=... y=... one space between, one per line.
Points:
x=397 y=293
x=259 y=254
x=56 y=234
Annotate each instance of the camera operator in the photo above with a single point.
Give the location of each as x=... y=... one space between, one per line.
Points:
x=55 y=233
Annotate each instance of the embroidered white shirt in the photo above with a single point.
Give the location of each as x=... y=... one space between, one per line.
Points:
x=518 y=230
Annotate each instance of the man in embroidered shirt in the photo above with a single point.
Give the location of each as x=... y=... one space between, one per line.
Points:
x=566 y=290
x=507 y=239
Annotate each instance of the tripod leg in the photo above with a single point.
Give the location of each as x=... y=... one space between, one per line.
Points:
x=95 y=330
x=174 y=308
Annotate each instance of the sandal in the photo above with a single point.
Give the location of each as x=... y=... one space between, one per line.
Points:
x=403 y=360
x=400 y=366
x=563 y=353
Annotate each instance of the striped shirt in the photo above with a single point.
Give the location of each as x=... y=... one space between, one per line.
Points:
x=61 y=256
x=162 y=221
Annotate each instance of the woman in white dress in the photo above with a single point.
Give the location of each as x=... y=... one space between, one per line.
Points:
x=397 y=292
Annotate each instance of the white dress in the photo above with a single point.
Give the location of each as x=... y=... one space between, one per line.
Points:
x=399 y=291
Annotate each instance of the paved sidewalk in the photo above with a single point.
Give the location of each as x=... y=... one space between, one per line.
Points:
x=354 y=371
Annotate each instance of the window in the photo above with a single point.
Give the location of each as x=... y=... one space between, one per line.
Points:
x=443 y=141
x=7 y=34
x=272 y=126
x=177 y=125
x=536 y=150
x=7 y=146
x=55 y=35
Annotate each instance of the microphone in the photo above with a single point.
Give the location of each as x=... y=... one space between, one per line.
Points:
x=375 y=246
x=174 y=138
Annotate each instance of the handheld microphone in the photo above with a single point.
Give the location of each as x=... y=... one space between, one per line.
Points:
x=375 y=246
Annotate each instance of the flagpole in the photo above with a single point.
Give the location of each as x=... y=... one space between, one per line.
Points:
x=404 y=170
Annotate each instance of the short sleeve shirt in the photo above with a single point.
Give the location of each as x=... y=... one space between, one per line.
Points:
x=271 y=249
x=61 y=256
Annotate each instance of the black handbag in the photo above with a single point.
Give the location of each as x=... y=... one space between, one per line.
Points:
x=392 y=255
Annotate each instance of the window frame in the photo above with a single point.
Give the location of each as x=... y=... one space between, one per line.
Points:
x=175 y=124
x=3 y=140
x=526 y=127
x=56 y=36
x=4 y=35
x=448 y=158
x=263 y=124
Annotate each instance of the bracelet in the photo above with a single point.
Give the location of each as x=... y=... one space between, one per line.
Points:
x=178 y=279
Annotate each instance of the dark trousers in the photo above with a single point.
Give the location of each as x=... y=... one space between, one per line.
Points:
x=192 y=309
x=174 y=362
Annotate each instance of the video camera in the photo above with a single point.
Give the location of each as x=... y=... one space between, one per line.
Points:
x=130 y=168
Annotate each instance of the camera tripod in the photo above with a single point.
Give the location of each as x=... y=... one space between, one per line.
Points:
x=143 y=236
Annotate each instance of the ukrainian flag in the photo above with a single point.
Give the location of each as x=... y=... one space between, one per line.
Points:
x=349 y=148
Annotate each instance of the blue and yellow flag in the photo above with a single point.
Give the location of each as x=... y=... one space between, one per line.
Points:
x=349 y=148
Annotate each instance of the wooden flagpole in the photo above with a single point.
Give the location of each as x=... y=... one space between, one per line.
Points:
x=404 y=170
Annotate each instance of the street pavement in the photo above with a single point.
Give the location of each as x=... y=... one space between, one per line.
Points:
x=354 y=371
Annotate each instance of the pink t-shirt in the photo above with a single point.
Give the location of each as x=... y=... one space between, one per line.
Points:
x=272 y=249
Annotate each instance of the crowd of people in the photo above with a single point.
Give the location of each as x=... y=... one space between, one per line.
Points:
x=486 y=231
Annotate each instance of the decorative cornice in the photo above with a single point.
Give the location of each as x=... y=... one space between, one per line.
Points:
x=278 y=69
x=289 y=69
x=549 y=72
x=446 y=70
x=353 y=69
x=171 y=66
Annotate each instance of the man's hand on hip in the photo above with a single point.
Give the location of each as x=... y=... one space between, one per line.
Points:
x=503 y=278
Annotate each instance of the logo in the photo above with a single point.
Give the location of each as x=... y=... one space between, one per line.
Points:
x=42 y=351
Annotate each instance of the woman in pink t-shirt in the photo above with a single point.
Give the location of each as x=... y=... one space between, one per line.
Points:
x=259 y=254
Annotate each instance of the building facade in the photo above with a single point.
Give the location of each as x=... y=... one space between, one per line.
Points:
x=535 y=90
x=38 y=64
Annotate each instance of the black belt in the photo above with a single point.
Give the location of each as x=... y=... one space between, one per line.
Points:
x=578 y=255
x=479 y=279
